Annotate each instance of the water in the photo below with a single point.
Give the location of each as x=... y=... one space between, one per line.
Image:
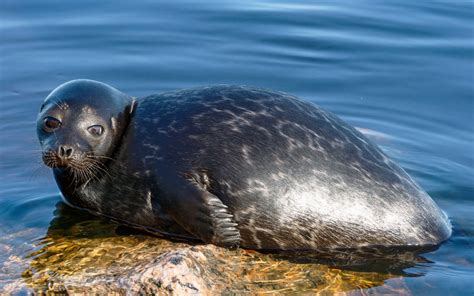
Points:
x=402 y=71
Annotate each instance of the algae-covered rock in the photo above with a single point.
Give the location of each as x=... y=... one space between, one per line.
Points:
x=82 y=254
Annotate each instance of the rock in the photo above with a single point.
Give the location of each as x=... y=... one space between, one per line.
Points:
x=82 y=254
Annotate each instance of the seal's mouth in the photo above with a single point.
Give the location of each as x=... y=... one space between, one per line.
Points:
x=82 y=167
x=61 y=159
x=52 y=160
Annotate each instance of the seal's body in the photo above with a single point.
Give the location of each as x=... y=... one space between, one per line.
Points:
x=241 y=166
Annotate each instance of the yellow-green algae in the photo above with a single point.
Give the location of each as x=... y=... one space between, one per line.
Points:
x=89 y=255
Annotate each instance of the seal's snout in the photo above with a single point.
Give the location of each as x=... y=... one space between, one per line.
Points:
x=65 y=152
x=58 y=158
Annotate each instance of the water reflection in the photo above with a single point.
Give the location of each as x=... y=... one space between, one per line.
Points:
x=83 y=253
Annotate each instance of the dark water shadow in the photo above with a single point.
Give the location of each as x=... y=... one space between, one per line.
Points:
x=379 y=259
x=78 y=223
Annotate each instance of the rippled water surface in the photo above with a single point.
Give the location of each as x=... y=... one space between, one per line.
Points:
x=401 y=71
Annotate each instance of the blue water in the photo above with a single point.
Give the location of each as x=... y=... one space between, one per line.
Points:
x=401 y=71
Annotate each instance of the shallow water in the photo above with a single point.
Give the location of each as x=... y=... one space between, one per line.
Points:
x=401 y=71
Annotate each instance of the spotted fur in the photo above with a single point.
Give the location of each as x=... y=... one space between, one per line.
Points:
x=292 y=174
x=288 y=174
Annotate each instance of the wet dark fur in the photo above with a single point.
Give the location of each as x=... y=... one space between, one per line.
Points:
x=264 y=166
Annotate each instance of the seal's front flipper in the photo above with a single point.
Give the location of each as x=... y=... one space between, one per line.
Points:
x=201 y=213
x=213 y=215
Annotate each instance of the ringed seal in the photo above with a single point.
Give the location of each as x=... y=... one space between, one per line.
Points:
x=232 y=166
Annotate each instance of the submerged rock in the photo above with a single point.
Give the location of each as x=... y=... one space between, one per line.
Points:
x=84 y=254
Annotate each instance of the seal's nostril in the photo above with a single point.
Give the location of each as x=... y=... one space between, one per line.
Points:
x=65 y=152
x=68 y=152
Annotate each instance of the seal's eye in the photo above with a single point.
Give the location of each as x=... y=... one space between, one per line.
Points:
x=96 y=130
x=51 y=123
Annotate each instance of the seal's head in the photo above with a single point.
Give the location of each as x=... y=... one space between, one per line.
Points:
x=80 y=124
